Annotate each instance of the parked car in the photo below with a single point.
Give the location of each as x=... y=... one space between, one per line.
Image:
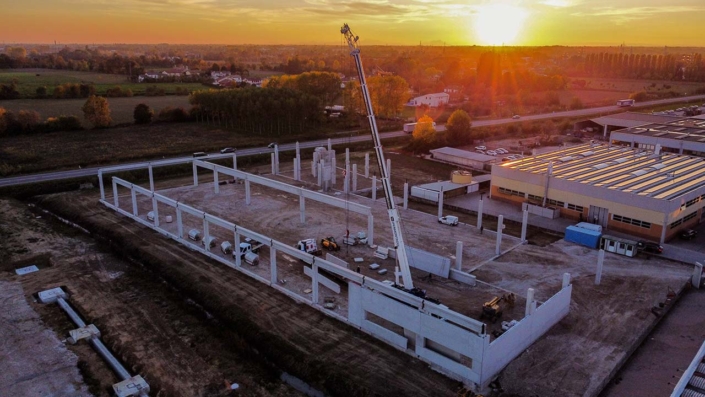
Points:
x=502 y=151
x=516 y=116
x=200 y=154
x=480 y=151
x=449 y=220
x=480 y=147
x=227 y=150
x=649 y=246
x=491 y=152
x=688 y=234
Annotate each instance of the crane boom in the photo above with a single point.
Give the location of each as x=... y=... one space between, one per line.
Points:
x=392 y=211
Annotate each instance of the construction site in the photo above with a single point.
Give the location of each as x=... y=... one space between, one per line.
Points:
x=309 y=277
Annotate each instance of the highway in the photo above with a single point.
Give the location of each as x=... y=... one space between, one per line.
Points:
x=93 y=171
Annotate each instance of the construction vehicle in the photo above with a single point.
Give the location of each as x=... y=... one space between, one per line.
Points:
x=493 y=310
x=330 y=244
x=308 y=246
x=392 y=211
x=248 y=252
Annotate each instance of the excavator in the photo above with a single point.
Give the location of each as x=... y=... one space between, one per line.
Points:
x=492 y=309
x=330 y=244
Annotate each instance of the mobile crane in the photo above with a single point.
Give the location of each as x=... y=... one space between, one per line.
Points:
x=392 y=211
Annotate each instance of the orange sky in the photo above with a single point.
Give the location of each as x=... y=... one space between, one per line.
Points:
x=546 y=22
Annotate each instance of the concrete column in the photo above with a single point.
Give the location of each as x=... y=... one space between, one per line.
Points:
x=179 y=223
x=347 y=156
x=273 y=163
x=354 y=177
x=370 y=229
x=296 y=177
x=600 y=260
x=302 y=206
x=276 y=159
x=195 y=174
x=459 y=255
x=272 y=265
x=206 y=232
x=500 y=226
x=374 y=187
x=406 y=195
x=314 y=283
x=216 y=186
x=367 y=165
x=100 y=183
x=389 y=169
x=151 y=177
x=298 y=150
x=479 y=215
x=155 y=208
x=234 y=161
x=697 y=274
x=236 y=250
x=566 y=280
x=116 y=202
x=529 y=302
x=334 y=172
x=320 y=173
x=133 y=193
x=524 y=224
x=604 y=131
x=247 y=192
x=346 y=180
x=440 y=203
x=314 y=164
x=330 y=147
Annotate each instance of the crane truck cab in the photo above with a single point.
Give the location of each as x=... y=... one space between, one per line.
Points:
x=449 y=220
x=308 y=246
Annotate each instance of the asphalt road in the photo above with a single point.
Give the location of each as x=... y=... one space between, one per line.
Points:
x=91 y=171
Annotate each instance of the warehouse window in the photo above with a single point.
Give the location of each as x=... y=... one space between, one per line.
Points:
x=635 y=222
x=511 y=192
x=575 y=207
x=676 y=223
x=691 y=202
x=535 y=198
x=684 y=219
x=556 y=203
x=689 y=216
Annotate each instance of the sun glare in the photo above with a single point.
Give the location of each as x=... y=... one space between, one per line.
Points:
x=498 y=24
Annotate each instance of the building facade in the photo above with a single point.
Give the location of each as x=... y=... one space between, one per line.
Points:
x=650 y=194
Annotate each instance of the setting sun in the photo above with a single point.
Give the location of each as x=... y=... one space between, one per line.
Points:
x=498 y=23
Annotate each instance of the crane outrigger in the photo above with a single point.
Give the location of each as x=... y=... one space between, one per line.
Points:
x=394 y=218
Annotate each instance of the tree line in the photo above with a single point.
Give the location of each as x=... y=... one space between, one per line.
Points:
x=267 y=111
x=689 y=67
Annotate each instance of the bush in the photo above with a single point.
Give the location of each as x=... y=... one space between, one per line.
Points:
x=9 y=91
x=63 y=123
x=183 y=91
x=143 y=114
x=576 y=103
x=97 y=111
x=41 y=92
x=117 y=91
x=176 y=115
x=154 y=91
x=28 y=120
x=71 y=90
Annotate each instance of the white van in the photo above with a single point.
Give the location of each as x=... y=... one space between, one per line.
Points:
x=449 y=220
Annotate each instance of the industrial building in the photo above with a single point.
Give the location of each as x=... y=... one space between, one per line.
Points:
x=463 y=158
x=613 y=122
x=651 y=194
x=431 y=100
x=680 y=135
x=460 y=183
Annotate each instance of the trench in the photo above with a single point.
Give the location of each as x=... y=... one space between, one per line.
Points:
x=104 y=243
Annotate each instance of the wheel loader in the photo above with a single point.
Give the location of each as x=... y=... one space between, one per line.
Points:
x=330 y=244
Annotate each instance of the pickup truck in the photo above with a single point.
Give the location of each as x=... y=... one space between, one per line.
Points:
x=449 y=220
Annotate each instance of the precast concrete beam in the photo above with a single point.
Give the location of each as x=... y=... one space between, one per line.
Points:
x=367 y=165
x=151 y=177
x=479 y=215
x=389 y=169
x=459 y=255
x=133 y=195
x=370 y=230
x=216 y=186
x=100 y=183
x=500 y=227
x=374 y=187
x=406 y=195
x=524 y=224
x=116 y=202
x=195 y=174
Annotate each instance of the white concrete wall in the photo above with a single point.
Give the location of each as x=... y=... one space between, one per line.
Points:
x=508 y=346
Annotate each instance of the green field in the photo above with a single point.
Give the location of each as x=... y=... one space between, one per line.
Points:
x=28 y=80
x=121 y=109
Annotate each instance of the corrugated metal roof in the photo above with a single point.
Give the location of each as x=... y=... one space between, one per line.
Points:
x=447 y=186
x=450 y=151
x=665 y=176
x=633 y=119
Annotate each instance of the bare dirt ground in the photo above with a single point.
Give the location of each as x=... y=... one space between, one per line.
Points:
x=577 y=355
x=155 y=332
